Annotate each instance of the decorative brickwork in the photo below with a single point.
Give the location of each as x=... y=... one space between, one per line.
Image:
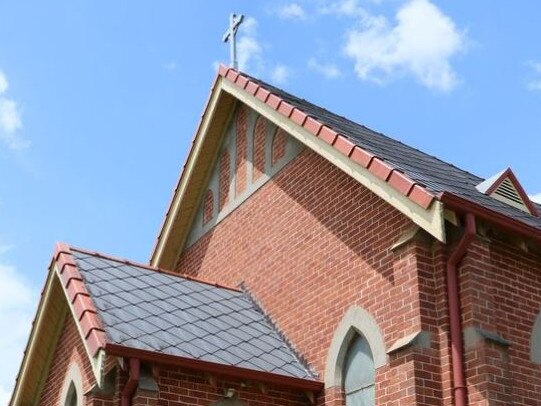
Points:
x=246 y=159
x=208 y=207
x=260 y=134
x=224 y=178
x=241 y=150
x=278 y=145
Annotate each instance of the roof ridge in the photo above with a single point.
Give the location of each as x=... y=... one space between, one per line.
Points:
x=317 y=106
x=386 y=170
x=297 y=354
x=80 y=301
x=152 y=268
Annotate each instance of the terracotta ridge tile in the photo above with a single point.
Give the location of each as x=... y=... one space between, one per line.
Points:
x=396 y=178
x=83 y=307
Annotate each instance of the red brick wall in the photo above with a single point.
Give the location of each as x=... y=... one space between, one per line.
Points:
x=312 y=242
x=185 y=387
x=69 y=349
x=501 y=293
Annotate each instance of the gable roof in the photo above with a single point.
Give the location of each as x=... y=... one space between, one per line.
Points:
x=423 y=179
x=152 y=310
x=126 y=309
x=434 y=175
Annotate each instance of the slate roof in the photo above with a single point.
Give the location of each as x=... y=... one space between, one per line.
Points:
x=150 y=310
x=434 y=174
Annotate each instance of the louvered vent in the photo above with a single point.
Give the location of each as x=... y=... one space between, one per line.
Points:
x=505 y=187
x=507 y=190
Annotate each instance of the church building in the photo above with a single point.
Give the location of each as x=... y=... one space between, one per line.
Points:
x=304 y=259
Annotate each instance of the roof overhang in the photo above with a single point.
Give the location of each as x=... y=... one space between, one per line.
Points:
x=462 y=205
x=215 y=368
x=54 y=305
x=390 y=184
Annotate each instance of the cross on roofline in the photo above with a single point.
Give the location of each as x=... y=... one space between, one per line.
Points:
x=230 y=36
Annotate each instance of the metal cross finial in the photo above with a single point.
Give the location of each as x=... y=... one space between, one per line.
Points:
x=230 y=36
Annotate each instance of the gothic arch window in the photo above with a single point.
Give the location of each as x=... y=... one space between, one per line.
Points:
x=535 y=341
x=72 y=390
x=71 y=397
x=359 y=374
x=357 y=346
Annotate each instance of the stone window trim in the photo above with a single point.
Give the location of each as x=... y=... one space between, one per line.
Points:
x=535 y=341
x=73 y=376
x=356 y=321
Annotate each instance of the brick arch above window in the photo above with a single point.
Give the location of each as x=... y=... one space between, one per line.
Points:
x=535 y=341
x=356 y=322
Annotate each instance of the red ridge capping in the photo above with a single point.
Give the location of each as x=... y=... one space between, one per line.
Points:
x=396 y=179
x=219 y=369
x=380 y=168
x=401 y=182
x=79 y=300
x=421 y=196
x=344 y=145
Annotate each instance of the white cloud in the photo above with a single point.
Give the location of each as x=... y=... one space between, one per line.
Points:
x=347 y=8
x=292 y=11
x=3 y=83
x=10 y=119
x=16 y=312
x=329 y=70
x=421 y=43
x=536 y=198
x=280 y=74
x=249 y=50
x=534 y=84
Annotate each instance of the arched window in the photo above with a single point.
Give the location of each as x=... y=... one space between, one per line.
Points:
x=359 y=374
x=71 y=397
x=72 y=390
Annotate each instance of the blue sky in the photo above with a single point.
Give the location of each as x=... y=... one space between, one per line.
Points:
x=99 y=101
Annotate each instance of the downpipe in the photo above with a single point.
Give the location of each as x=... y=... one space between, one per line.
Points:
x=455 y=322
x=134 y=371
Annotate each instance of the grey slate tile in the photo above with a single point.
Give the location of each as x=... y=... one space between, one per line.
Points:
x=149 y=310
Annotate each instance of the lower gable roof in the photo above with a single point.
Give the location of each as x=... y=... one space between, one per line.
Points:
x=133 y=310
x=151 y=310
